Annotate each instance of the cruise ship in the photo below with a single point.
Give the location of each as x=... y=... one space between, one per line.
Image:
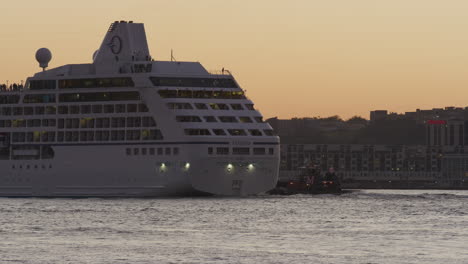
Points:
x=127 y=125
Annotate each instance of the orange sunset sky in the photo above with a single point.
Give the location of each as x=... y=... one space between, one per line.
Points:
x=295 y=58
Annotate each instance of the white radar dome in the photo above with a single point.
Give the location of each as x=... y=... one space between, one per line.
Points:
x=43 y=56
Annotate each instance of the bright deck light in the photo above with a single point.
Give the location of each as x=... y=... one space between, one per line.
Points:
x=187 y=165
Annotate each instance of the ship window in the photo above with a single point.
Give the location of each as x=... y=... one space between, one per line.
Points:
x=240 y=151
x=135 y=151
x=168 y=151
x=132 y=108
x=74 y=109
x=237 y=107
x=128 y=151
x=34 y=122
x=153 y=134
x=17 y=110
x=99 y=97
x=237 y=132
x=118 y=121
x=120 y=108
x=197 y=132
x=75 y=136
x=50 y=110
x=148 y=121
x=175 y=151
x=28 y=110
x=151 y=151
x=133 y=134
x=210 y=119
x=108 y=109
x=268 y=132
x=194 y=82
x=222 y=151
x=102 y=135
x=227 y=119
x=61 y=123
x=259 y=119
x=245 y=119
x=97 y=109
x=9 y=99
x=219 y=132
x=143 y=108
x=143 y=151
x=210 y=150
x=96 y=83
x=85 y=109
x=201 y=106
x=6 y=111
x=60 y=136
x=7 y=123
x=39 y=98
x=255 y=132
x=271 y=151
x=188 y=119
x=102 y=123
x=18 y=123
x=87 y=122
x=42 y=84
x=115 y=135
x=18 y=137
x=219 y=106
x=250 y=106
x=160 y=151
x=259 y=151
x=179 y=106
x=39 y=110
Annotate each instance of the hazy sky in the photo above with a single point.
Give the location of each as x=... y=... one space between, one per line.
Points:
x=295 y=58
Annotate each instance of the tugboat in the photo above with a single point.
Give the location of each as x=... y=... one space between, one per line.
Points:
x=310 y=181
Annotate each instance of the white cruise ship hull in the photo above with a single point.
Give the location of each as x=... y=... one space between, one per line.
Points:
x=106 y=171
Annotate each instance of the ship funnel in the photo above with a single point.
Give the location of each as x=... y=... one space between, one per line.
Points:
x=124 y=42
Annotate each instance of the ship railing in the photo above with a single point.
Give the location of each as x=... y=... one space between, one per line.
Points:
x=15 y=87
x=220 y=72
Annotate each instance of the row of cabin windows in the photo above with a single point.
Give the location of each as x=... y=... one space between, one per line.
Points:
x=9 y=99
x=152 y=151
x=222 y=132
x=86 y=136
x=224 y=119
x=114 y=122
x=194 y=82
x=74 y=109
x=214 y=106
x=81 y=83
x=81 y=97
x=28 y=123
x=99 y=97
x=105 y=122
x=202 y=94
x=240 y=151
x=96 y=83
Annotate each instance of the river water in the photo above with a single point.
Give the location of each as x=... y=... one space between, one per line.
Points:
x=378 y=226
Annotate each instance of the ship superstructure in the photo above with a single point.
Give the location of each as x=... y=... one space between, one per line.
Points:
x=127 y=125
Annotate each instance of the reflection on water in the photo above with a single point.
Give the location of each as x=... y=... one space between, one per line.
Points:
x=385 y=226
